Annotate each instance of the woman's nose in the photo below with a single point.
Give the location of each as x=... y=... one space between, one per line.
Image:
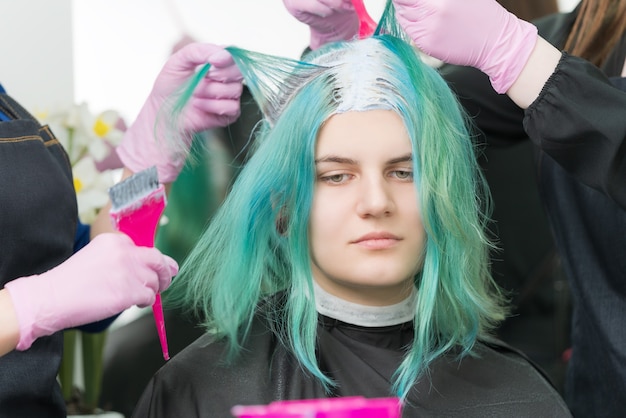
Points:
x=375 y=198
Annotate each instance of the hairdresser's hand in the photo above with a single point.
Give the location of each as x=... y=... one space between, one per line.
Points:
x=328 y=20
x=215 y=103
x=107 y=276
x=477 y=33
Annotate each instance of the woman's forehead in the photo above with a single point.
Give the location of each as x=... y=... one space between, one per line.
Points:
x=355 y=132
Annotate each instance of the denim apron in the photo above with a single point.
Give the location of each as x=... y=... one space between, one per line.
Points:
x=38 y=217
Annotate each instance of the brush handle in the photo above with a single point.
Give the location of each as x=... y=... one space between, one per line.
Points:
x=367 y=25
x=157 y=313
x=139 y=221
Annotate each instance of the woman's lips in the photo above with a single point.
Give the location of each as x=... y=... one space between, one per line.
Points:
x=377 y=240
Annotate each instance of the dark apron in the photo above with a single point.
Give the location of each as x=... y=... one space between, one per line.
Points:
x=38 y=218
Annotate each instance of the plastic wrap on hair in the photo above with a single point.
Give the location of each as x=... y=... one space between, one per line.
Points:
x=272 y=80
x=358 y=72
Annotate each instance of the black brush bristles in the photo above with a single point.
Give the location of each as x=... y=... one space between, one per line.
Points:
x=133 y=188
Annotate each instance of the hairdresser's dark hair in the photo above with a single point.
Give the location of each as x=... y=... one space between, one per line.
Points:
x=600 y=24
x=530 y=9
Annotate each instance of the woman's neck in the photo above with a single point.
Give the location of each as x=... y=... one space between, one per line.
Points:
x=362 y=315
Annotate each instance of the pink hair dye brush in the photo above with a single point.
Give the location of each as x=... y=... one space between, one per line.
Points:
x=346 y=407
x=367 y=25
x=137 y=204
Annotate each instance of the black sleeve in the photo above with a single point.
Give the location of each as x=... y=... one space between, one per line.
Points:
x=495 y=117
x=579 y=119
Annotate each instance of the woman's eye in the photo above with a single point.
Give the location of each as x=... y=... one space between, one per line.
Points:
x=403 y=174
x=335 y=178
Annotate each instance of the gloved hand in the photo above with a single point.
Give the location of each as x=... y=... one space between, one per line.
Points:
x=477 y=33
x=107 y=276
x=328 y=20
x=215 y=103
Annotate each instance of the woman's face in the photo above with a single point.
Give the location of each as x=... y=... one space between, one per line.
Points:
x=366 y=231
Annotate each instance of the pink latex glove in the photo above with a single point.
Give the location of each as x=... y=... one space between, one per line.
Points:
x=328 y=20
x=476 y=33
x=215 y=103
x=107 y=276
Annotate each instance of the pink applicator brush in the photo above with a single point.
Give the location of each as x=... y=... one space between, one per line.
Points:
x=367 y=25
x=137 y=204
x=346 y=407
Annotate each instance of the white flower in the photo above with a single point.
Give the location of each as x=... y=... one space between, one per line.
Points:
x=82 y=133
x=91 y=188
x=87 y=139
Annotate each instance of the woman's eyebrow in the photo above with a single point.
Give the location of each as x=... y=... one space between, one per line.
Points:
x=402 y=159
x=335 y=159
x=343 y=160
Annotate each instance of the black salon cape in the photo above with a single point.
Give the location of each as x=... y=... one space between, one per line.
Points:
x=195 y=383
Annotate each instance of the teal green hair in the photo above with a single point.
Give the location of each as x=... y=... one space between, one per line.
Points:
x=258 y=242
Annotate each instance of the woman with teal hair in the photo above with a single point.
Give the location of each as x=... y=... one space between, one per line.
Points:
x=349 y=257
